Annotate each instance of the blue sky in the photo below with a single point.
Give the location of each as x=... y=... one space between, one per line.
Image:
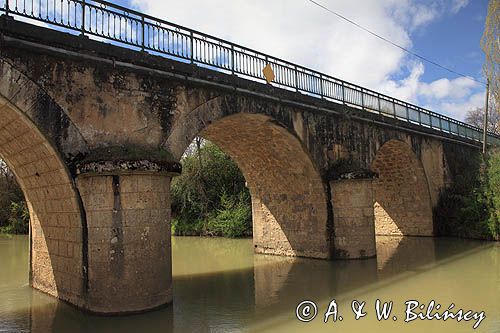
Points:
x=453 y=41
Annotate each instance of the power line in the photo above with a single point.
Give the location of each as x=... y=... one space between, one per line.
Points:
x=394 y=44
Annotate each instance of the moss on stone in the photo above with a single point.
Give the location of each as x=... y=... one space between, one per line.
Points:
x=128 y=153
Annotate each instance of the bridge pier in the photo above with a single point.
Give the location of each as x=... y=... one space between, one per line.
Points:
x=128 y=241
x=353 y=222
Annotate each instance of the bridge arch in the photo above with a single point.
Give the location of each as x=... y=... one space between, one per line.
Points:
x=402 y=201
x=30 y=125
x=289 y=203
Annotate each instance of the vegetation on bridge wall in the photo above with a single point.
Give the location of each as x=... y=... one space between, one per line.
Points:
x=210 y=197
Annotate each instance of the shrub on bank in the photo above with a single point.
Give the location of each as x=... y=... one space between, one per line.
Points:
x=493 y=195
x=14 y=216
x=470 y=208
x=18 y=221
x=210 y=197
x=233 y=219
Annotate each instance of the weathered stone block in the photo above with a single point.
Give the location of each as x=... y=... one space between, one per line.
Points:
x=352 y=201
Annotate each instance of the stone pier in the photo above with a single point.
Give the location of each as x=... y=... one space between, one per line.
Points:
x=129 y=250
x=353 y=218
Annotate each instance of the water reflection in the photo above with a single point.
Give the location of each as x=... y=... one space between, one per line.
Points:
x=220 y=285
x=398 y=254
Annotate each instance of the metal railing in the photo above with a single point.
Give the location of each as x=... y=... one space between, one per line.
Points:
x=121 y=25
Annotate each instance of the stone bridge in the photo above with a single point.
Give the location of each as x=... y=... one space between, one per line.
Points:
x=94 y=134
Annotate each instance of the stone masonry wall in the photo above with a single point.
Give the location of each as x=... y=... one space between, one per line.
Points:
x=268 y=235
x=402 y=199
x=352 y=201
x=55 y=220
x=128 y=220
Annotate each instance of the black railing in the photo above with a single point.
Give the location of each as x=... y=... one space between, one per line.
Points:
x=125 y=26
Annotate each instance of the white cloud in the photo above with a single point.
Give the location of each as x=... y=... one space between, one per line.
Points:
x=458 y=109
x=413 y=15
x=451 y=97
x=456 y=5
x=406 y=89
x=302 y=33
x=457 y=88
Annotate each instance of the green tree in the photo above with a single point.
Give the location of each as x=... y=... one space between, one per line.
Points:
x=210 y=197
x=10 y=193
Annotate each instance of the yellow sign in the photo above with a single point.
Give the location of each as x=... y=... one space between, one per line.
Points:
x=268 y=73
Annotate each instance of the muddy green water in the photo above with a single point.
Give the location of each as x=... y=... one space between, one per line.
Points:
x=221 y=286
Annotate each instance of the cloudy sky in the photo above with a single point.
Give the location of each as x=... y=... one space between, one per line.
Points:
x=446 y=31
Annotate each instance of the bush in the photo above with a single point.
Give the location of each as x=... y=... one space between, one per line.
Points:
x=471 y=207
x=14 y=216
x=181 y=226
x=210 y=197
x=233 y=220
x=18 y=222
x=493 y=194
x=9 y=192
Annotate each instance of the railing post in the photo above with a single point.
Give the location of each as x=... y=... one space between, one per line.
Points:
x=296 y=79
x=266 y=60
x=394 y=107
x=191 y=46
x=6 y=7
x=362 y=99
x=419 y=117
x=321 y=93
x=232 y=60
x=440 y=125
x=407 y=113
x=343 y=93
x=143 y=43
x=379 y=106
x=82 y=30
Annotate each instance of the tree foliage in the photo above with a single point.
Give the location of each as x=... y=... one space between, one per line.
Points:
x=470 y=207
x=493 y=194
x=14 y=216
x=490 y=43
x=210 y=197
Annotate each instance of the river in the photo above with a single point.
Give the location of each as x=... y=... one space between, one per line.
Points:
x=221 y=286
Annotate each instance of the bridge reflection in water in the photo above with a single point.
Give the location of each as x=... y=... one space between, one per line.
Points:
x=220 y=285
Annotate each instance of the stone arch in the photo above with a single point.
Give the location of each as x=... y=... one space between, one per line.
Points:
x=31 y=145
x=289 y=203
x=402 y=201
